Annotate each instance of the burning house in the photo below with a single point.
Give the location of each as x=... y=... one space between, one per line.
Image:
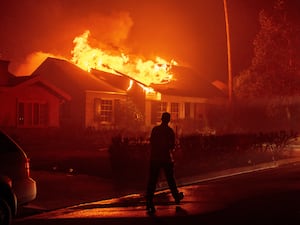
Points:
x=100 y=90
x=187 y=97
x=60 y=94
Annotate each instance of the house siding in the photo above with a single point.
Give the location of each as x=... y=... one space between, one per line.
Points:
x=68 y=94
x=188 y=114
x=11 y=98
x=8 y=110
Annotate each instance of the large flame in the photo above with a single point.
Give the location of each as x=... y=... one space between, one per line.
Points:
x=146 y=72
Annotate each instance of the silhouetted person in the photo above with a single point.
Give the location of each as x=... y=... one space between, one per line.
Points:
x=162 y=142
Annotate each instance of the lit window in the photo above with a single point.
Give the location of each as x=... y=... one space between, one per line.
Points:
x=175 y=110
x=161 y=109
x=32 y=114
x=21 y=113
x=103 y=110
x=187 y=110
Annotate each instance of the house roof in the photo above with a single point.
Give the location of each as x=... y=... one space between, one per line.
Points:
x=7 y=79
x=118 y=81
x=39 y=81
x=187 y=82
x=11 y=80
x=15 y=80
x=71 y=78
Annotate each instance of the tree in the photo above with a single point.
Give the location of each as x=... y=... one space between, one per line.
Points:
x=275 y=67
x=273 y=79
x=129 y=118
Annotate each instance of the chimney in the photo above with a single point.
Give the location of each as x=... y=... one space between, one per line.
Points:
x=4 y=74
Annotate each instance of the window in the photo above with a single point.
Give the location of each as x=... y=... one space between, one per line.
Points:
x=175 y=110
x=32 y=114
x=36 y=114
x=157 y=108
x=21 y=113
x=103 y=110
x=161 y=109
x=187 y=110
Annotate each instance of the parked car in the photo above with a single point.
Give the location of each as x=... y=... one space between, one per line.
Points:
x=16 y=186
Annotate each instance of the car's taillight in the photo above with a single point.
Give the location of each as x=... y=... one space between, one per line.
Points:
x=27 y=167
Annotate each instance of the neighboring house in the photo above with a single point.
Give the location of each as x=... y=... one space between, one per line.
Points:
x=28 y=102
x=60 y=94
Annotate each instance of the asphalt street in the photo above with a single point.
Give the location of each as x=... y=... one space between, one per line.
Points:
x=263 y=195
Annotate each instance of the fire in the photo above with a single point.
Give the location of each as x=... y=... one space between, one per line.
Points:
x=146 y=72
x=130 y=85
x=89 y=58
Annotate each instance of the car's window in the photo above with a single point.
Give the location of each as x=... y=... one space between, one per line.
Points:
x=6 y=145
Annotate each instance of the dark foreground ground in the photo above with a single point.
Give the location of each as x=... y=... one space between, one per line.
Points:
x=265 y=195
x=69 y=174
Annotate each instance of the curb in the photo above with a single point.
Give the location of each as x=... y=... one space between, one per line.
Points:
x=230 y=172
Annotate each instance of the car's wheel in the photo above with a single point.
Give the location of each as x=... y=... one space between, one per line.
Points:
x=5 y=213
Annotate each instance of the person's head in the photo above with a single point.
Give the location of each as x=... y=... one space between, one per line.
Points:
x=165 y=117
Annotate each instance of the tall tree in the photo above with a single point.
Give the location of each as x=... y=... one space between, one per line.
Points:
x=275 y=66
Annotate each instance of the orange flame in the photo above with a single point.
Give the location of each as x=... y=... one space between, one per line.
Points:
x=146 y=72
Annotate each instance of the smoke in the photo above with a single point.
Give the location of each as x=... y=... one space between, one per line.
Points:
x=31 y=62
x=109 y=31
x=190 y=32
x=145 y=29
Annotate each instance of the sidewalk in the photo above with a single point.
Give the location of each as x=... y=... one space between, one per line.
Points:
x=293 y=158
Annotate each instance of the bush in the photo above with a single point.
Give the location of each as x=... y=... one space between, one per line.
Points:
x=198 y=153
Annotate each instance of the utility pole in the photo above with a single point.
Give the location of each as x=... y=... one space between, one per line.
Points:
x=228 y=53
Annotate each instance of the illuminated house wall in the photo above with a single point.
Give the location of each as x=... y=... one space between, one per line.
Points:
x=66 y=96
x=187 y=98
x=31 y=104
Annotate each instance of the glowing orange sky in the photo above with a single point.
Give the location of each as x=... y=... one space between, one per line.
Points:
x=192 y=31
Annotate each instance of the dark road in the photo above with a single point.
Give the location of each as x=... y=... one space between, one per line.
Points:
x=268 y=196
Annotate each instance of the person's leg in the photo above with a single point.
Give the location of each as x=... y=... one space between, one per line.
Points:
x=169 y=172
x=153 y=176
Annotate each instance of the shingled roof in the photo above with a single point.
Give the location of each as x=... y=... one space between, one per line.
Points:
x=71 y=78
x=187 y=82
